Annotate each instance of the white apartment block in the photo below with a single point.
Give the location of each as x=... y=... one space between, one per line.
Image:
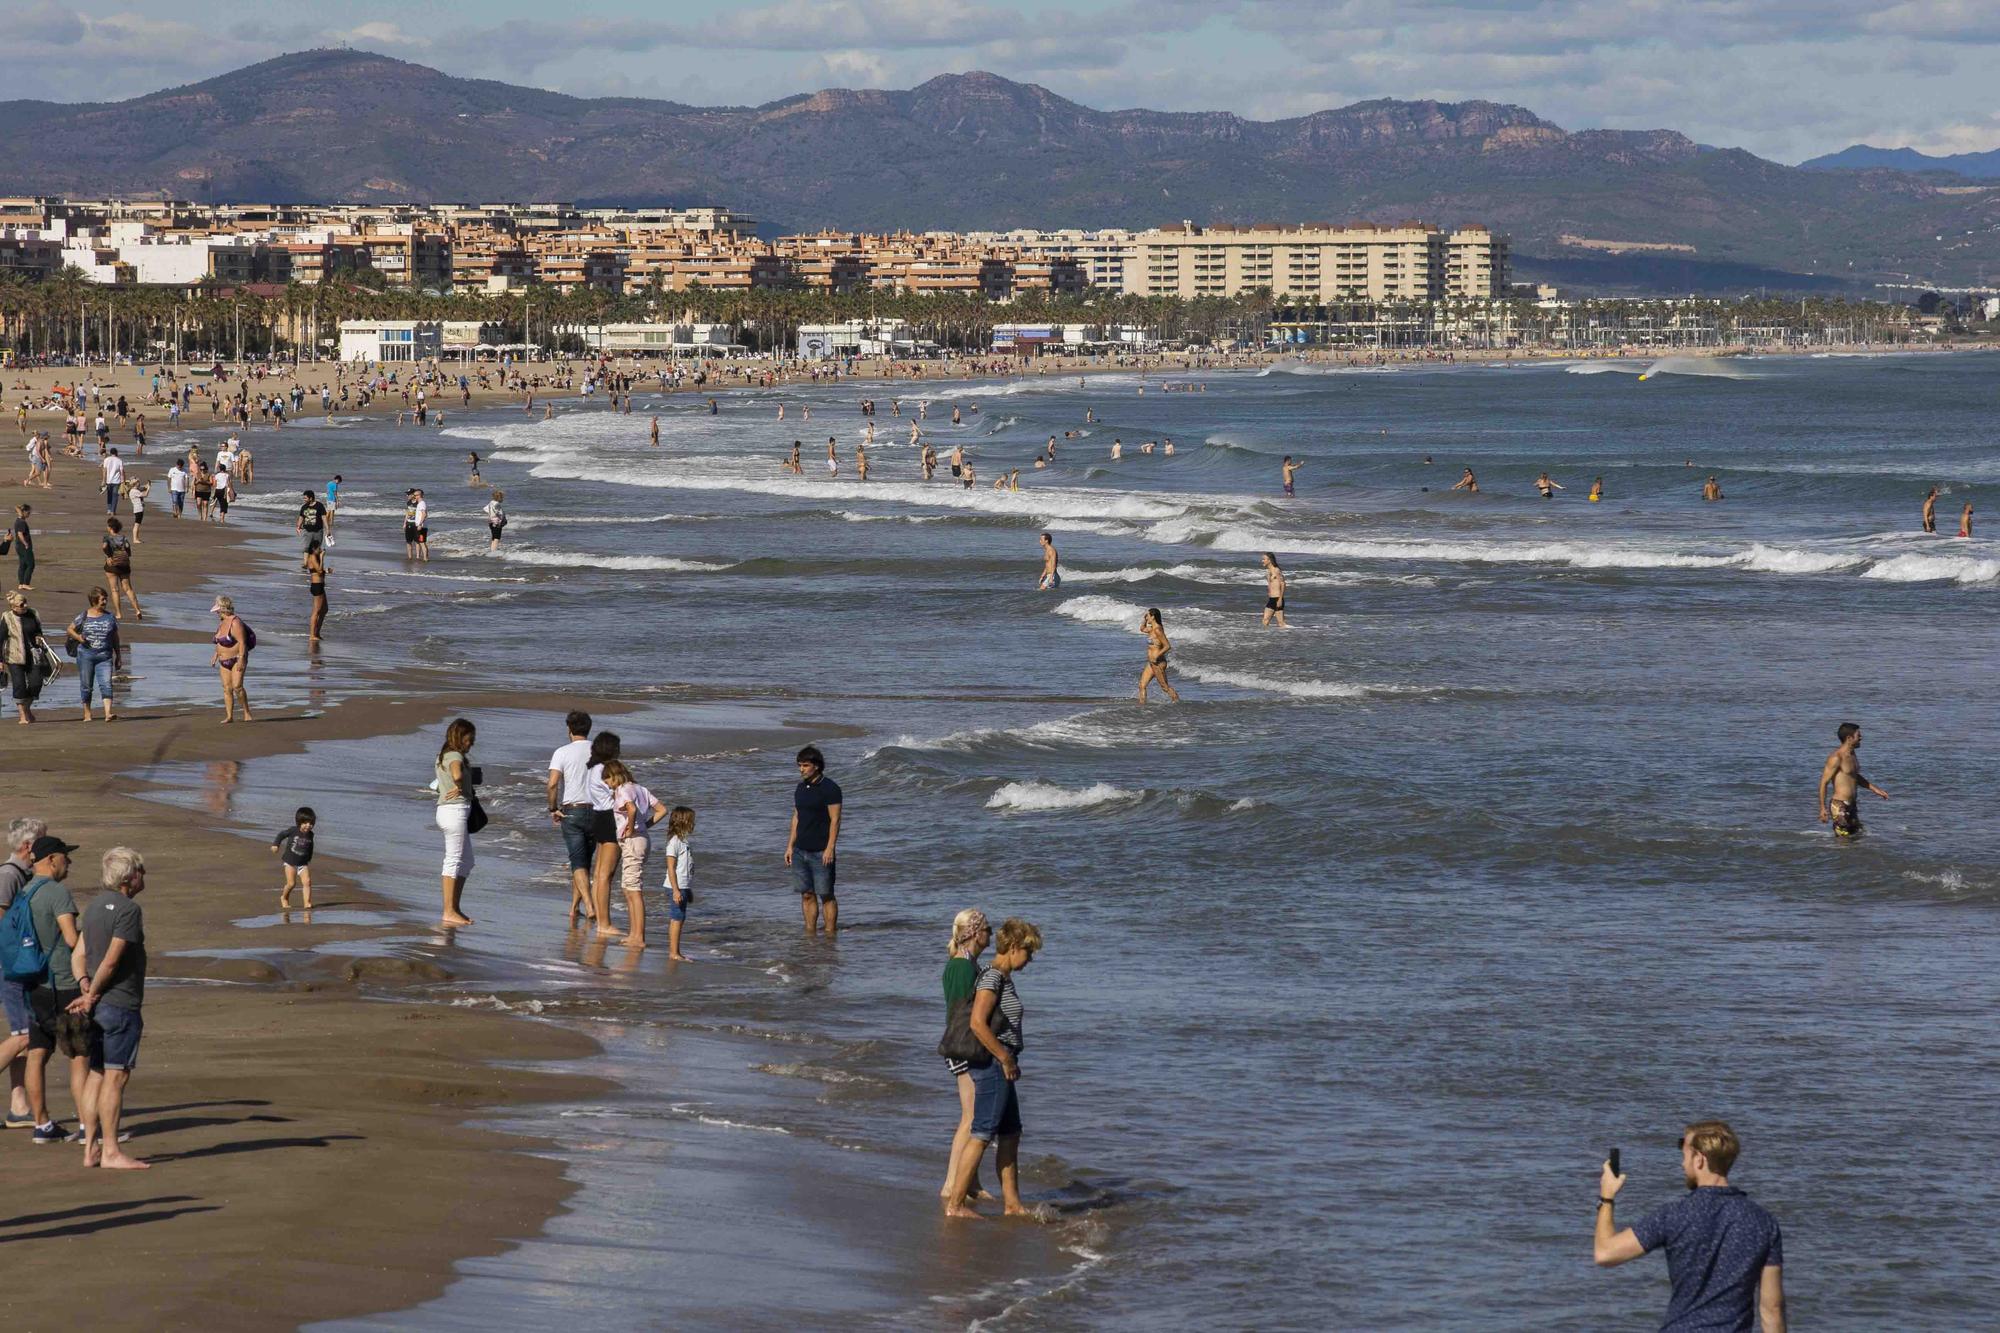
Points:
x=1362 y=262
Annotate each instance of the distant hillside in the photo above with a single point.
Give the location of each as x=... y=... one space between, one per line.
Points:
x=977 y=151
x=1864 y=157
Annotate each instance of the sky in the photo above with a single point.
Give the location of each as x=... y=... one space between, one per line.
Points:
x=1787 y=79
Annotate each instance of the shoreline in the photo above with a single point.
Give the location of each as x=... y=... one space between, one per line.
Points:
x=312 y=1148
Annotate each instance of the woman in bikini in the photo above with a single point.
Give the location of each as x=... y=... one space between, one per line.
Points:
x=231 y=658
x=314 y=566
x=1157 y=649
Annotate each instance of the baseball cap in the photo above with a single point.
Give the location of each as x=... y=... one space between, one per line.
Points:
x=49 y=845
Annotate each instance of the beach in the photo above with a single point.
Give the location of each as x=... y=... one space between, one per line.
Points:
x=1431 y=866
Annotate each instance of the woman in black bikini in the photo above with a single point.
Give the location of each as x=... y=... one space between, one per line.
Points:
x=314 y=566
x=1157 y=648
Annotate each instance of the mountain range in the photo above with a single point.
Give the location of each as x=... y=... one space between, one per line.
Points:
x=1867 y=157
x=974 y=151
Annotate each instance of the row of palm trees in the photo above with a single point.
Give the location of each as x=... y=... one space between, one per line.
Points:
x=66 y=315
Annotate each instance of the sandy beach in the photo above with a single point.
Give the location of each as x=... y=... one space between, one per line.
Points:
x=310 y=1148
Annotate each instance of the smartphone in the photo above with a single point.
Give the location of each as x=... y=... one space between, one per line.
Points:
x=1614 y=1163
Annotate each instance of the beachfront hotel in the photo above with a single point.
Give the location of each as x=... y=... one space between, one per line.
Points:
x=1362 y=262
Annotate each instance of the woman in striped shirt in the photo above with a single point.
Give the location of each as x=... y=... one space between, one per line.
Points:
x=997 y=1018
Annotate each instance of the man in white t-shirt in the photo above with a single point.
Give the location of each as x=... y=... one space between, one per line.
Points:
x=114 y=477
x=177 y=485
x=423 y=527
x=570 y=809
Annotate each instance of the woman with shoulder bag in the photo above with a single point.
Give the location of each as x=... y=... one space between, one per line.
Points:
x=118 y=566
x=23 y=631
x=996 y=1022
x=969 y=937
x=456 y=803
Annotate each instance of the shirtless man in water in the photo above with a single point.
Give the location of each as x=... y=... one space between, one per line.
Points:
x=1051 y=570
x=1288 y=473
x=1844 y=772
x=1274 y=592
x=1930 y=511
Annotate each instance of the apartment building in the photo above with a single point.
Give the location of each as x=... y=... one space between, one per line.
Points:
x=1100 y=255
x=1360 y=262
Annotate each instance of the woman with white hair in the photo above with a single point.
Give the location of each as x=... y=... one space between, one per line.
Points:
x=231 y=658
x=22 y=630
x=969 y=936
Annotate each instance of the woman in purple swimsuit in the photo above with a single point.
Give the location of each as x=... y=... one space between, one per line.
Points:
x=231 y=658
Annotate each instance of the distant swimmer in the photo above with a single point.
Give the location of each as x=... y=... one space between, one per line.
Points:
x=781 y=411
x=1167 y=448
x=958 y=461
x=1157 y=649
x=832 y=458
x=1930 y=510
x=792 y=460
x=1467 y=483
x=861 y=460
x=1274 y=592
x=656 y=432
x=1288 y=473
x=1843 y=771
x=472 y=461
x=1546 y=486
x=1965 y=521
x=1117 y=448
x=1711 y=489
x=1051 y=565
x=1597 y=490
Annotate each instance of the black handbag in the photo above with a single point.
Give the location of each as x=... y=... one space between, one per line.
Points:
x=475 y=817
x=958 y=1044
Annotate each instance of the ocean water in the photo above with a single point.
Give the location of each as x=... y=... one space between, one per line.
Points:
x=1357 y=960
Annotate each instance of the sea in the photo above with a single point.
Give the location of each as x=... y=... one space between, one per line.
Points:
x=1357 y=960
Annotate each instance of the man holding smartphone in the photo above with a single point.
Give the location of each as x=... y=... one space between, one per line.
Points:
x=1724 y=1253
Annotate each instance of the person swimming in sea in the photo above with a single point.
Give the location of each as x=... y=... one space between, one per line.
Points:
x=1597 y=490
x=1547 y=486
x=1467 y=483
x=1930 y=510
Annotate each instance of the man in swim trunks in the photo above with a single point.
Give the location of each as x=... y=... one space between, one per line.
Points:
x=1930 y=511
x=1051 y=570
x=1274 y=592
x=1843 y=771
x=1289 y=471
x=1711 y=489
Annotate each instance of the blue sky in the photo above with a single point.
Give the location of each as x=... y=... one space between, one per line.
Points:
x=1784 y=78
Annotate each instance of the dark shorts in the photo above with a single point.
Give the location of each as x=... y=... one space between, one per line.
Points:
x=996 y=1108
x=55 y=1028
x=577 y=839
x=812 y=874
x=1274 y=603
x=678 y=911
x=14 y=1003
x=138 y=517
x=603 y=827
x=409 y=532
x=114 y=1039
x=493 y=530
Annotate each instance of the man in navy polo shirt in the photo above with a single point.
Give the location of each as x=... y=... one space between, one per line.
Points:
x=1724 y=1253
x=809 y=845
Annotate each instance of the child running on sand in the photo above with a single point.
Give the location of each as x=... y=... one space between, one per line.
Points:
x=680 y=860
x=295 y=846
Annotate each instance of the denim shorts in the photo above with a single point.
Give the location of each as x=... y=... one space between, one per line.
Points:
x=14 y=1001
x=576 y=825
x=676 y=911
x=996 y=1108
x=813 y=873
x=114 y=1041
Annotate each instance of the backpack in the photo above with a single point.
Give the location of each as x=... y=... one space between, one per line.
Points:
x=249 y=635
x=22 y=957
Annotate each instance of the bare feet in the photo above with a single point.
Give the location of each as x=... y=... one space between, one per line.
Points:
x=1019 y=1209
x=679 y=958
x=118 y=1161
x=960 y=1210
x=456 y=919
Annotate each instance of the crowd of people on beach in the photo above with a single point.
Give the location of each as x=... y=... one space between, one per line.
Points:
x=72 y=985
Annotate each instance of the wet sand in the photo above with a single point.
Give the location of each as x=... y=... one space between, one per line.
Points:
x=311 y=1157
